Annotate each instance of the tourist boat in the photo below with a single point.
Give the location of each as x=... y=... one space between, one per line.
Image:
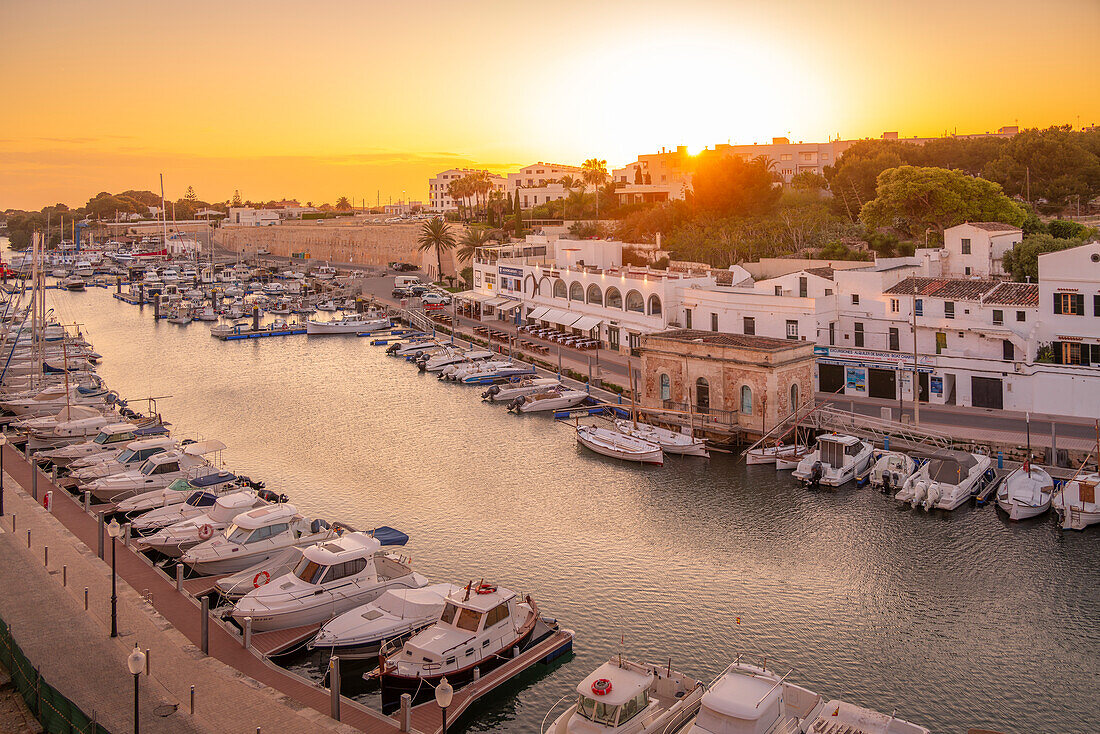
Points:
x=110 y=438
x=509 y=391
x=768 y=454
x=836 y=461
x=671 y=442
x=217 y=483
x=1076 y=503
x=477 y=629
x=557 y=397
x=626 y=697
x=174 y=539
x=331 y=578
x=891 y=469
x=73 y=283
x=789 y=461
x=746 y=699
x=619 y=446
x=348 y=324
x=1026 y=492
x=448 y=356
x=255 y=537
x=134 y=454
x=393 y=617
x=157 y=472
x=946 y=480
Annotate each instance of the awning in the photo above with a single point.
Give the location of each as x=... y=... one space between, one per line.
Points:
x=538 y=312
x=587 y=323
x=473 y=296
x=509 y=304
x=494 y=302
x=563 y=318
x=552 y=315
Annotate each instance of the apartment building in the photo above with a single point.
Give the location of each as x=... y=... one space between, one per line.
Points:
x=978 y=249
x=438 y=198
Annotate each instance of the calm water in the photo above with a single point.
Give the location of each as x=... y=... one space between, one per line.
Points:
x=957 y=620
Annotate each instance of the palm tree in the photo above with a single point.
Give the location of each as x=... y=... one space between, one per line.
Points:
x=454 y=191
x=474 y=238
x=595 y=173
x=436 y=234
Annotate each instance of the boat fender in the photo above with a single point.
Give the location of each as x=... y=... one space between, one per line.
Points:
x=260 y=579
x=601 y=686
x=206 y=531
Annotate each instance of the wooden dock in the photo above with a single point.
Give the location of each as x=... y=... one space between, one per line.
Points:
x=261 y=333
x=278 y=641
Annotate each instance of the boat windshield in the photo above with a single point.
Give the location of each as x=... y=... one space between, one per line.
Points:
x=148 y=468
x=597 y=711
x=201 y=499
x=180 y=485
x=468 y=620
x=309 y=571
x=100 y=439
x=237 y=534
x=125 y=456
x=448 y=616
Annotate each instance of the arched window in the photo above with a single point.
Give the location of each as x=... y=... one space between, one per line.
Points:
x=702 y=395
x=595 y=295
x=794 y=397
x=613 y=299
x=576 y=292
x=559 y=289
x=746 y=400
x=635 y=302
x=654 y=305
x=544 y=287
x=666 y=388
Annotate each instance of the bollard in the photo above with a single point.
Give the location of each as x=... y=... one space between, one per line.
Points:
x=205 y=625
x=477 y=673
x=87 y=501
x=334 y=685
x=146 y=662
x=179 y=577
x=1000 y=459
x=192 y=700
x=156 y=308
x=46 y=556
x=64 y=575
x=28 y=538
x=126 y=535
x=101 y=513
x=53 y=474
x=247 y=632
x=406 y=712
x=85 y=598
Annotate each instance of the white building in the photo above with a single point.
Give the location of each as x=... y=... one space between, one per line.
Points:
x=539 y=174
x=978 y=249
x=249 y=217
x=438 y=198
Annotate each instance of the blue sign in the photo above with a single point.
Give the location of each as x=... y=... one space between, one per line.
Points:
x=515 y=272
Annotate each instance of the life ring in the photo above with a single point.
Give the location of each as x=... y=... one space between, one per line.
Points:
x=486 y=589
x=256 y=583
x=601 y=686
x=206 y=531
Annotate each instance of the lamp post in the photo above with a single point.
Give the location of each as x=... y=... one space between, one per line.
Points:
x=115 y=531
x=3 y=441
x=443 y=695
x=136 y=662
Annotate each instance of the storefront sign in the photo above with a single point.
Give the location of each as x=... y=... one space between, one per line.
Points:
x=514 y=272
x=935 y=385
x=855 y=378
x=872 y=358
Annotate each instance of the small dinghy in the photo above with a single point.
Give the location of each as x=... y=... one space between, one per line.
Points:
x=617 y=445
x=1026 y=492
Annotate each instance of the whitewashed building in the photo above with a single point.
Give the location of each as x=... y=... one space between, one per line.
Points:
x=977 y=249
x=438 y=198
x=248 y=217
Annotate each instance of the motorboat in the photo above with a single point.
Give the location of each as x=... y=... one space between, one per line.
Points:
x=328 y=306
x=90 y=392
x=412 y=347
x=274 y=288
x=459 y=371
x=395 y=616
x=173 y=540
x=83 y=269
x=448 y=356
x=671 y=442
x=217 y=483
x=769 y=454
x=331 y=578
x=235 y=585
x=224 y=330
x=891 y=469
x=109 y=439
x=789 y=461
x=255 y=537
x=325 y=272
x=67 y=432
x=747 y=699
x=348 y=324
x=49 y=422
x=1026 y=492
x=509 y=391
x=557 y=397
x=946 y=480
x=627 y=697
x=197 y=502
x=133 y=455
x=73 y=283
x=206 y=313
x=1076 y=503
x=837 y=460
x=157 y=472
x=488 y=375
x=618 y=445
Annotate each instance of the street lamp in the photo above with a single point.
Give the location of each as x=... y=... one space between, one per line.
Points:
x=443 y=695
x=136 y=662
x=3 y=441
x=115 y=531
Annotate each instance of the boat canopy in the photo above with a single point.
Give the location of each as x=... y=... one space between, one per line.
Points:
x=347 y=547
x=389 y=536
x=625 y=684
x=204 y=447
x=415 y=603
x=210 y=480
x=264 y=516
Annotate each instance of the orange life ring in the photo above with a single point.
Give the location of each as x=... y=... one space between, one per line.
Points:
x=206 y=531
x=601 y=686
x=486 y=589
x=256 y=583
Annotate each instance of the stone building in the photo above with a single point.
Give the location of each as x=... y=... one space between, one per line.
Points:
x=752 y=381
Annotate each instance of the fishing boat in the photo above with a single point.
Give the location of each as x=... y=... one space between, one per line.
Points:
x=626 y=697
x=789 y=461
x=134 y=454
x=1026 y=492
x=174 y=539
x=836 y=461
x=671 y=442
x=946 y=480
x=393 y=617
x=619 y=446
x=891 y=469
x=1075 y=503
x=508 y=391
x=331 y=578
x=768 y=454
x=557 y=397
x=348 y=324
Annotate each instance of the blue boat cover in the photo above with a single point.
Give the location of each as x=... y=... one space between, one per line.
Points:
x=211 y=479
x=151 y=431
x=388 y=536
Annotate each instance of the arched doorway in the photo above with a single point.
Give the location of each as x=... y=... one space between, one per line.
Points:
x=702 y=395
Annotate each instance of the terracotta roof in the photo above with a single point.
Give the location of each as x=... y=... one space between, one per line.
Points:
x=951 y=289
x=1014 y=294
x=994 y=226
x=826 y=273
x=723 y=339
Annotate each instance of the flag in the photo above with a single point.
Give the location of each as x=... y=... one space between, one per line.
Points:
x=738 y=620
x=837 y=712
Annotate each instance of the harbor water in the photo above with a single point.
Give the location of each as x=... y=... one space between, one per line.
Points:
x=956 y=620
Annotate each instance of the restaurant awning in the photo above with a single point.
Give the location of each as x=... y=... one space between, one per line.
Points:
x=562 y=318
x=510 y=304
x=496 y=301
x=473 y=296
x=538 y=312
x=587 y=323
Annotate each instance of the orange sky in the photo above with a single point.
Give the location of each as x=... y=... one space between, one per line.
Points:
x=318 y=100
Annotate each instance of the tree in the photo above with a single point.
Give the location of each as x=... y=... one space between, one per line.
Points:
x=638 y=175
x=474 y=238
x=342 y=204
x=190 y=195
x=595 y=173
x=918 y=200
x=237 y=198
x=809 y=181
x=1022 y=261
x=436 y=234
x=726 y=186
x=1047 y=166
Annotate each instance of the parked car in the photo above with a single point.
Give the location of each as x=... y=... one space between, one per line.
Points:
x=434 y=299
x=402 y=293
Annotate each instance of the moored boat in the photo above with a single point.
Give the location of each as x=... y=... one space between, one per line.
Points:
x=617 y=445
x=1026 y=492
x=1076 y=503
x=671 y=442
x=836 y=461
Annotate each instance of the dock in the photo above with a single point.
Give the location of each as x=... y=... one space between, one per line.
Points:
x=280 y=641
x=261 y=333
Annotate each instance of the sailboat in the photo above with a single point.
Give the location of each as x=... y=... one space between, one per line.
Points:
x=1027 y=491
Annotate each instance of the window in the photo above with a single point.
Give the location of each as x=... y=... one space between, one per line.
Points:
x=895 y=341
x=918 y=306
x=832 y=333
x=702 y=395
x=794 y=397
x=966 y=246
x=967 y=270
x=666 y=388
x=859 y=334
x=613 y=299
x=746 y=400
x=1095 y=305
x=806 y=156
x=497 y=614
x=792 y=329
x=750 y=325
x=998 y=317
x=635 y=302
x=1008 y=351
x=576 y=292
x=633 y=707
x=309 y=571
x=941 y=342
x=785 y=157
x=895 y=305
x=654 y=305
x=855 y=299
x=1069 y=304
x=714 y=322
x=778 y=290
x=687 y=318
x=1071 y=353
x=346 y=569
x=560 y=289
x=448 y=615
x=1021 y=315
x=828 y=291
x=803 y=287
x=468 y=620
x=949 y=309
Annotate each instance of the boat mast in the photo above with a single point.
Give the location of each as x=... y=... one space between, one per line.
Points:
x=1027 y=458
x=163 y=216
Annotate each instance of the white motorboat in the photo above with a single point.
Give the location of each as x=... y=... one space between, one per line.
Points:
x=91 y=393
x=206 y=313
x=108 y=441
x=173 y=540
x=348 y=324
x=84 y=269
x=131 y=456
x=49 y=422
x=178 y=491
x=328 y=306
x=73 y=283
x=67 y=432
x=509 y=391
x=255 y=537
x=625 y=697
x=325 y=272
x=489 y=375
x=331 y=578
x=394 y=616
x=448 y=356
x=619 y=446
x=769 y=454
x=671 y=442
x=197 y=502
x=556 y=397
x=1076 y=503
x=413 y=347
x=891 y=469
x=458 y=372
x=945 y=481
x=746 y=699
x=836 y=461
x=235 y=585
x=1026 y=492
x=157 y=472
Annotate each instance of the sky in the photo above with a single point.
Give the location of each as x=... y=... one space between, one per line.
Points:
x=369 y=99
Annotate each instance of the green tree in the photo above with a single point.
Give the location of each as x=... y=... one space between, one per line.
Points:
x=638 y=175
x=237 y=198
x=1022 y=261
x=918 y=200
x=190 y=195
x=436 y=234
x=1048 y=166
x=474 y=238
x=594 y=174
x=725 y=186
x=342 y=204
x=809 y=181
